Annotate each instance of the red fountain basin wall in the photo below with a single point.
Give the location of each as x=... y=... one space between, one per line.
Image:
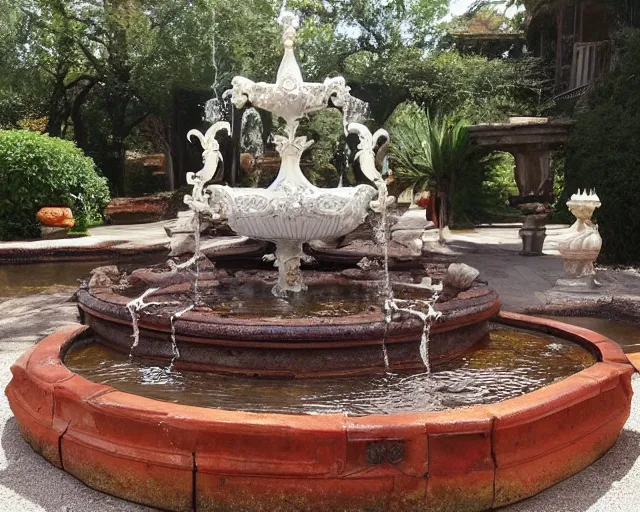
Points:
x=185 y=458
x=285 y=347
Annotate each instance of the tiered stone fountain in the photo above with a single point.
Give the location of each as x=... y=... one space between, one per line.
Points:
x=370 y=364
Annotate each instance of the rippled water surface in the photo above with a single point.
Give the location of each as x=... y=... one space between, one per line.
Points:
x=506 y=364
x=256 y=300
x=24 y=279
x=625 y=334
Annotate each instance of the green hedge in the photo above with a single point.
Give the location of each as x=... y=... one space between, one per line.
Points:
x=37 y=170
x=604 y=152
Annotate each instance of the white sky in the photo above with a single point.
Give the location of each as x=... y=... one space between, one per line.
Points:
x=458 y=7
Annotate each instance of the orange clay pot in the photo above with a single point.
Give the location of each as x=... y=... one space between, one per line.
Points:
x=54 y=216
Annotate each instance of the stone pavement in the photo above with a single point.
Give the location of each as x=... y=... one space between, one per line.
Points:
x=526 y=283
x=521 y=281
x=104 y=241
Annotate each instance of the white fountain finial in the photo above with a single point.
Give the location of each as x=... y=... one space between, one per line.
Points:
x=289 y=76
x=289 y=19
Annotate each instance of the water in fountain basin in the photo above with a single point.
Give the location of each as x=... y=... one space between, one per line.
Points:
x=506 y=364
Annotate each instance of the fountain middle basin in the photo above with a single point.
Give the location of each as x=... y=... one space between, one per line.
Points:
x=336 y=327
x=180 y=457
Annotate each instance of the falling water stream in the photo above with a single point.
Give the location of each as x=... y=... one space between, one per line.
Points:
x=134 y=306
x=393 y=305
x=214 y=109
x=174 y=343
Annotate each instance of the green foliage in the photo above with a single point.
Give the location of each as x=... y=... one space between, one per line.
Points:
x=604 y=152
x=326 y=129
x=428 y=153
x=141 y=180
x=470 y=87
x=434 y=153
x=97 y=69
x=37 y=170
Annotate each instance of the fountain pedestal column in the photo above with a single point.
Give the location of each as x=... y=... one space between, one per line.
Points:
x=288 y=254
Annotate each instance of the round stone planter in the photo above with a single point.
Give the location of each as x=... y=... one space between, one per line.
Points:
x=185 y=458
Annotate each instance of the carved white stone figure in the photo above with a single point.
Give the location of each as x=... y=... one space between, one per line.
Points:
x=292 y=210
x=581 y=244
x=367 y=158
x=198 y=201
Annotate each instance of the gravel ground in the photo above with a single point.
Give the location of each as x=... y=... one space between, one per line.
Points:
x=29 y=483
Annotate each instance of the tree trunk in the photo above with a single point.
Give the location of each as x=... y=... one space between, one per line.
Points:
x=117 y=165
x=57 y=108
x=79 y=128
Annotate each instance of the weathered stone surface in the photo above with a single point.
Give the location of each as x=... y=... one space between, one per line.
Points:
x=413 y=219
x=136 y=210
x=53 y=233
x=460 y=276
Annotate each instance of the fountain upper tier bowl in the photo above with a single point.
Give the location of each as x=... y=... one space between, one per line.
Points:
x=296 y=212
x=239 y=327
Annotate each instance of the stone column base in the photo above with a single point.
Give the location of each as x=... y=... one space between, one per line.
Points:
x=53 y=232
x=577 y=284
x=533 y=233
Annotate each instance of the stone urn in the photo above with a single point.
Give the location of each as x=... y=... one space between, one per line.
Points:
x=581 y=245
x=56 y=217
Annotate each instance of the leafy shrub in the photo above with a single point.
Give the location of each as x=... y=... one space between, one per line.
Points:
x=140 y=180
x=604 y=152
x=434 y=153
x=37 y=170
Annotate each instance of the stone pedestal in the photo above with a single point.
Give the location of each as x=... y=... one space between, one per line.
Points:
x=53 y=232
x=409 y=229
x=533 y=171
x=576 y=284
x=533 y=233
x=581 y=244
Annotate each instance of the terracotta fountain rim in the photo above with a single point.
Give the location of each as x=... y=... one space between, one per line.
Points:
x=606 y=351
x=180 y=457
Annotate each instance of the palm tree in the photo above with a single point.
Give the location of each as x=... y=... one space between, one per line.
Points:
x=427 y=152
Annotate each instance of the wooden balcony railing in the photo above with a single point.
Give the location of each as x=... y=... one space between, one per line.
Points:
x=590 y=60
